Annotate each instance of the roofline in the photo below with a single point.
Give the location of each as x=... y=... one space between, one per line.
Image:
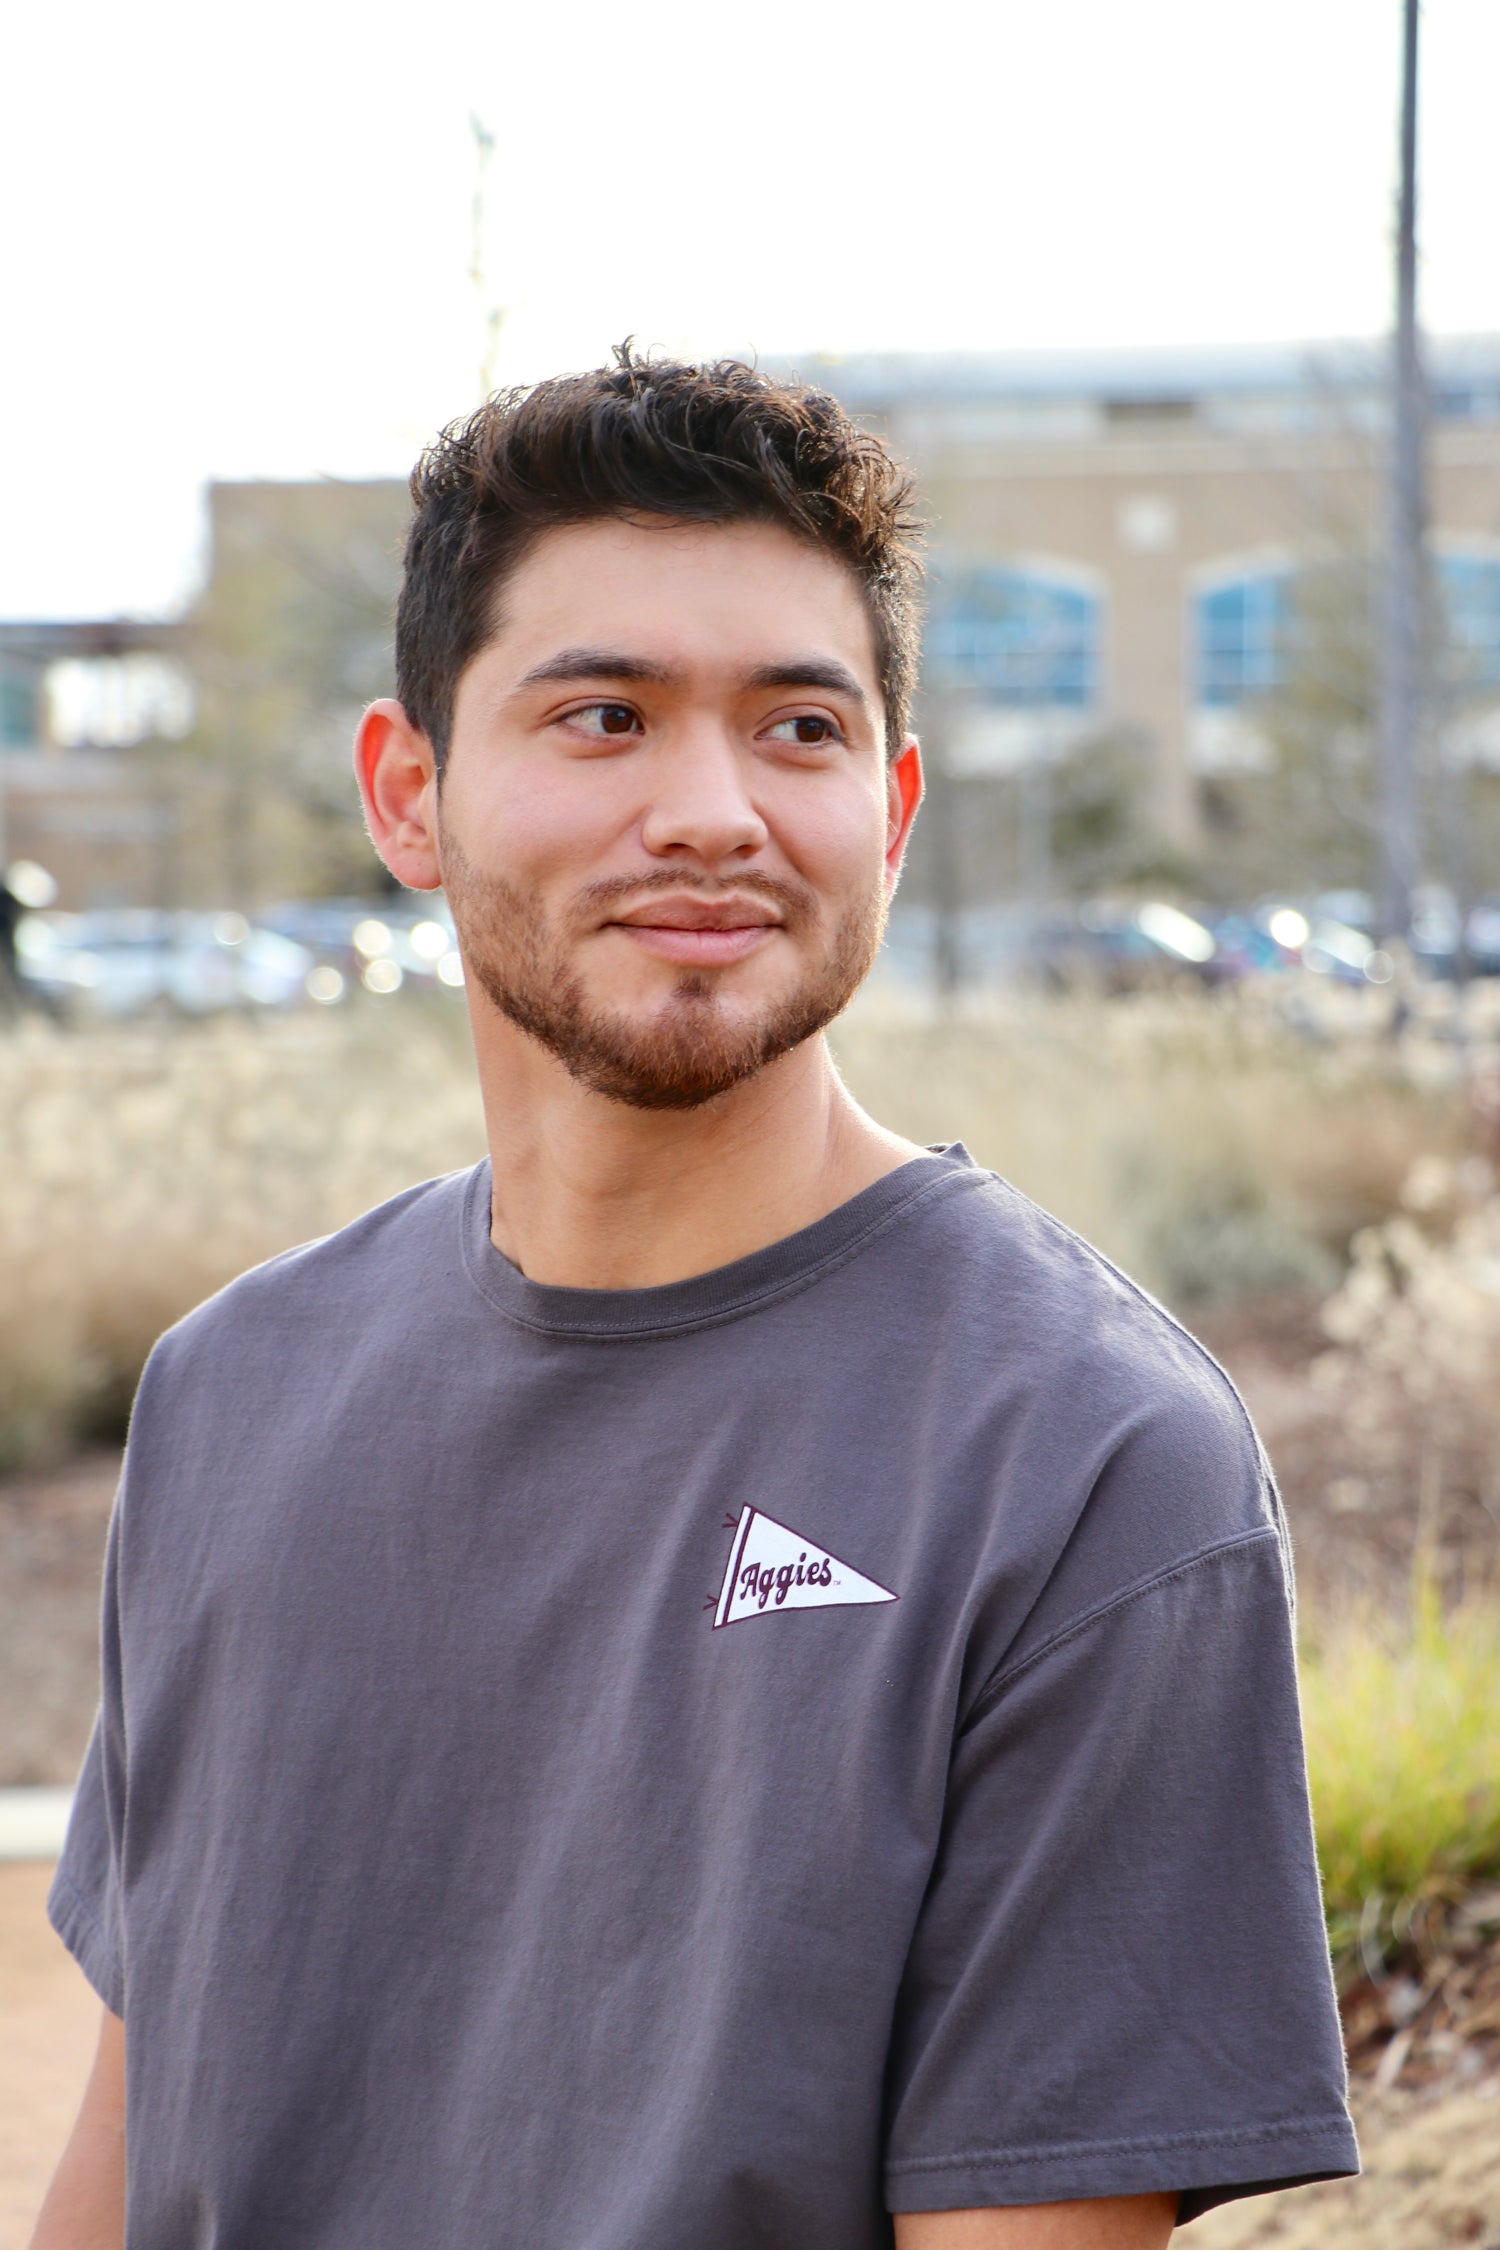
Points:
x=1186 y=371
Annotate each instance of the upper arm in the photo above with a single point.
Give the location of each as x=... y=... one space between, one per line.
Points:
x=1116 y=2222
x=85 y=2205
x=1119 y=1980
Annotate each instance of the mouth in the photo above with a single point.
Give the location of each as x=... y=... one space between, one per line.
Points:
x=701 y=933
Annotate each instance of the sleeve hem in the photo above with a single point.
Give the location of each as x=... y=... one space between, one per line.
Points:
x=1205 y=2168
x=75 y=1923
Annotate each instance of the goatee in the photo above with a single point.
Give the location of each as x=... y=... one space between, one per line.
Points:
x=695 y=1047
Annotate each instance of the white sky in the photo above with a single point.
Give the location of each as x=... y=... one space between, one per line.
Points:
x=236 y=244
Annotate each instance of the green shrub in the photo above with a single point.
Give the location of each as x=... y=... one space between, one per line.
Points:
x=1403 y=1746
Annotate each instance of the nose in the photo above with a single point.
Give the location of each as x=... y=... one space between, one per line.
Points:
x=701 y=807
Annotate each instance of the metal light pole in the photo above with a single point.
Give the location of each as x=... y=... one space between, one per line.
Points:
x=491 y=315
x=1401 y=683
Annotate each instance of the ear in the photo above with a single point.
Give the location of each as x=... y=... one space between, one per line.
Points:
x=903 y=784
x=394 y=766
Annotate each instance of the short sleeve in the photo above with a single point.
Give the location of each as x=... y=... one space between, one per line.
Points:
x=1119 y=1981
x=85 y=1900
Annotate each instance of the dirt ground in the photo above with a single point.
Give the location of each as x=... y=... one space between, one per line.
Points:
x=50 y=2021
x=52 y=1527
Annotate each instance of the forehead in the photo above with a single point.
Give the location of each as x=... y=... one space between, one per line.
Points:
x=695 y=597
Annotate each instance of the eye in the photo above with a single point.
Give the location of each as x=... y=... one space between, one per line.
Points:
x=809 y=730
x=604 y=718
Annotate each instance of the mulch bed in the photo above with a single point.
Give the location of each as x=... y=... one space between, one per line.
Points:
x=1428 y=2017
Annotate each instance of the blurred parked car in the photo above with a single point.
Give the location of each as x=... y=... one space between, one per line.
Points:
x=119 y=963
x=381 y=944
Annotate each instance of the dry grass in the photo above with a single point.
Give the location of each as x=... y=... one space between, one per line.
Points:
x=1201 y=1146
x=140 y=1168
x=1197 y=1142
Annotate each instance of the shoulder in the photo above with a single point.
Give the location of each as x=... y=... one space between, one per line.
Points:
x=1013 y=1288
x=1121 y=1449
x=307 y=1294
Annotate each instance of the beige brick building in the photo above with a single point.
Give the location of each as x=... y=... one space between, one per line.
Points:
x=1117 y=536
x=1116 y=539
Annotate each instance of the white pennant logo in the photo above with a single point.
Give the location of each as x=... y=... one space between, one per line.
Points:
x=771 y=1567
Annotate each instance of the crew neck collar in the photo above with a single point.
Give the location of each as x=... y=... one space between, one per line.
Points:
x=704 y=1299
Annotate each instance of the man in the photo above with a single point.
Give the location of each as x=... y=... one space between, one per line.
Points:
x=720 y=1680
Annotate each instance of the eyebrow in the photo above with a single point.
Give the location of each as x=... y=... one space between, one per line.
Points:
x=613 y=664
x=595 y=664
x=811 y=672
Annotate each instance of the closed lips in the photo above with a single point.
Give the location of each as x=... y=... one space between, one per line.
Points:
x=695 y=930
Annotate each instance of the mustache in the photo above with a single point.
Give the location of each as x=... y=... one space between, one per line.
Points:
x=795 y=899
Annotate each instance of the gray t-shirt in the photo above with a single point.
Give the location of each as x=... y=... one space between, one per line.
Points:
x=698 y=1766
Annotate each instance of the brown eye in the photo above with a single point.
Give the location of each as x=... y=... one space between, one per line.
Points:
x=604 y=718
x=808 y=729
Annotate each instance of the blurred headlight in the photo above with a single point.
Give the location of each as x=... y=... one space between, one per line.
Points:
x=381 y=976
x=430 y=941
x=325 y=985
x=372 y=938
x=29 y=884
x=34 y=941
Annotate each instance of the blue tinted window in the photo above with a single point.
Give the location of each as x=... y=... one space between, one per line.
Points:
x=1242 y=630
x=1017 y=637
x=20 y=702
x=1470 y=587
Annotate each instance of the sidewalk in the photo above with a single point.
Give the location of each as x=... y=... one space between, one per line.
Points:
x=50 y=2020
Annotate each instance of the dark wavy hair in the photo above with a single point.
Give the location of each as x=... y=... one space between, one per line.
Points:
x=715 y=444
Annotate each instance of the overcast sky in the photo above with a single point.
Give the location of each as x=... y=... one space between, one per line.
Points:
x=237 y=243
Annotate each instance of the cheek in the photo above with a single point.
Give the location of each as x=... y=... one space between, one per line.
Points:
x=835 y=838
x=530 y=824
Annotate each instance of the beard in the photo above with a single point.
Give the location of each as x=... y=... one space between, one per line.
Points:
x=694 y=1047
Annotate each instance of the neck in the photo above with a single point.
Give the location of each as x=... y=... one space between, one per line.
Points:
x=591 y=1194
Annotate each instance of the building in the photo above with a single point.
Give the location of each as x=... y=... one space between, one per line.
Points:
x=1118 y=537
x=77 y=702
x=1118 y=543
x=204 y=760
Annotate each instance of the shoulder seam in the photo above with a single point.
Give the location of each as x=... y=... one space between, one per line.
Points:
x=1195 y=1344
x=999 y=1681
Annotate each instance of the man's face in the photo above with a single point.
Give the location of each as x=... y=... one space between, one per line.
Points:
x=667 y=827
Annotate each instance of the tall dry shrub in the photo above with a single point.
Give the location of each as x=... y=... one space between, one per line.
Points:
x=1412 y=1375
x=142 y=1168
x=1195 y=1140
